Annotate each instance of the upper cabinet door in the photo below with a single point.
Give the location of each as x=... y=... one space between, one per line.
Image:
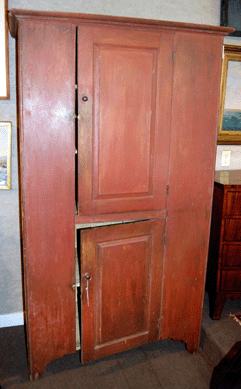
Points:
x=124 y=102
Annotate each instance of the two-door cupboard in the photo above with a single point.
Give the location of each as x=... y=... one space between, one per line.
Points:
x=117 y=124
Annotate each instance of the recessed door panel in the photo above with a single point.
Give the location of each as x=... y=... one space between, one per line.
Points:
x=121 y=273
x=124 y=126
x=124 y=130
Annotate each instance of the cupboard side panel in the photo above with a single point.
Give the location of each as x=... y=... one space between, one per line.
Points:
x=197 y=72
x=46 y=100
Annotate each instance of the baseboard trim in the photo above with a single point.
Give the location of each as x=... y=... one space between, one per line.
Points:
x=12 y=319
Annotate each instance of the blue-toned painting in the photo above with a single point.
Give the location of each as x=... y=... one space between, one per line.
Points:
x=231 y=120
x=232 y=106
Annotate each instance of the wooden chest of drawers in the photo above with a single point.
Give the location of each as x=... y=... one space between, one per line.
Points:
x=224 y=262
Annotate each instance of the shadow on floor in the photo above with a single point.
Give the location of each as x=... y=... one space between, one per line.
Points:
x=163 y=364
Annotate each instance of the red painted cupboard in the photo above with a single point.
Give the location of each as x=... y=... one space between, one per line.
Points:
x=117 y=124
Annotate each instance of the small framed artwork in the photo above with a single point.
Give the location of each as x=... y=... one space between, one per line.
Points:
x=5 y=155
x=4 y=58
x=229 y=128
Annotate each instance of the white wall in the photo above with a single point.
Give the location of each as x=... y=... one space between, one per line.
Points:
x=235 y=157
x=195 y=11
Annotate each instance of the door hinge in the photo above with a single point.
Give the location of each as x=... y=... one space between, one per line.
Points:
x=74 y=116
x=165 y=240
x=159 y=324
x=167 y=189
x=173 y=56
x=75 y=285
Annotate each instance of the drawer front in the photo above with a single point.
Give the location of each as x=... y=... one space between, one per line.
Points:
x=230 y=281
x=232 y=230
x=233 y=205
x=231 y=255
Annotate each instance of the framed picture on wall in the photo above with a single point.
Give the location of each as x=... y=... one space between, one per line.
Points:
x=229 y=131
x=4 y=58
x=5 y=155
x=231 y=15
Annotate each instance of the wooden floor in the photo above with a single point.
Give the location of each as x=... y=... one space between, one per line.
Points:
x=164 y=364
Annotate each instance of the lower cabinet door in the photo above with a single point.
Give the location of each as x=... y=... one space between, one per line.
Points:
x=121 y=287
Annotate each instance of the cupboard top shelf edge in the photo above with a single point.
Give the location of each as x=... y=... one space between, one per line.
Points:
x=17 y=14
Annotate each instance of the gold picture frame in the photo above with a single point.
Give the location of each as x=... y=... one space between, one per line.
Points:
x=4 y=57
x=5 y=155
x=229 y=127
